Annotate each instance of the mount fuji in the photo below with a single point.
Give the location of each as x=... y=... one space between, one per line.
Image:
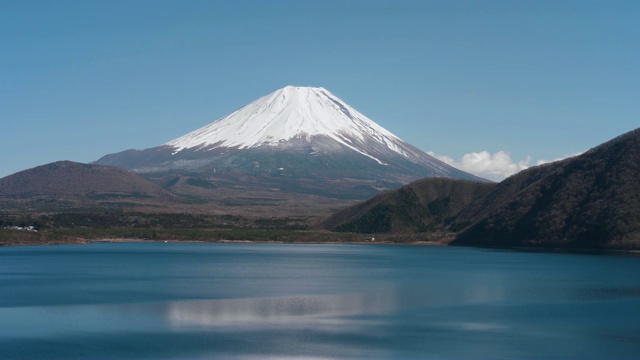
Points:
x=294 y=140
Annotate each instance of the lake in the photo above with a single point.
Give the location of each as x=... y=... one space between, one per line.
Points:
x=272 y=301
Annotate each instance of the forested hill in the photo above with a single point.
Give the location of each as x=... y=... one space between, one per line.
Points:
x=424 y=205
x=589 y=201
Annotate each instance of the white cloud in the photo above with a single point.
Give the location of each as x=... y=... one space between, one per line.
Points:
x=541 y=162
x=496 y=166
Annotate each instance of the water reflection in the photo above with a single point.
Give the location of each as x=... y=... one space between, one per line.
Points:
x=202 y=301
x=385 y=300
x=332 y=310
x=279 y=310
x=601 y=293
x=474 y=326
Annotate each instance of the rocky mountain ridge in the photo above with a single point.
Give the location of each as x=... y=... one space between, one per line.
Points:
x=299 y=140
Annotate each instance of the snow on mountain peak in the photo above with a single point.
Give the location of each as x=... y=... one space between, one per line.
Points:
x=300 y=139
x=287 y=113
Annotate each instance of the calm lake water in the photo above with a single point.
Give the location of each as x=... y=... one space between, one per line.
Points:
x=249 y=301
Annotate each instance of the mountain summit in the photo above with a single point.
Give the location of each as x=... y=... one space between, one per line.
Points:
x=296 y=140
x=297 y=113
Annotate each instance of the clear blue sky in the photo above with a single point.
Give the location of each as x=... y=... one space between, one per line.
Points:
x=538 y=79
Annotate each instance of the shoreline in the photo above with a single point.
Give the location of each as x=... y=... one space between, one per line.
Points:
x=414 y=243
x=82 y=241
x=577 y=251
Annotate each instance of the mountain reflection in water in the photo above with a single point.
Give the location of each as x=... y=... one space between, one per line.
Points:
x=278 y=310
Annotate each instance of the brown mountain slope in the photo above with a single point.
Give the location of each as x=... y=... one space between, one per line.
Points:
x=70 y=184
x=71 y=178
x=590 y=201
x=423 y=205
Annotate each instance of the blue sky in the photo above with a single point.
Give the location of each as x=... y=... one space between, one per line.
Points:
x=497 y=85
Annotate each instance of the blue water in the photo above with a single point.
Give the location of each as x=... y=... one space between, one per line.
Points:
x=248 y=301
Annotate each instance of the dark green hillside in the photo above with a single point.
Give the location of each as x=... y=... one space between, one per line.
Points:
x=503 y=192
x=424 y=205
x=590 y=201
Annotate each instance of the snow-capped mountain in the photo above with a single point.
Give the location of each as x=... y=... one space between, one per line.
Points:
x=300 y=139
x=289 y=113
